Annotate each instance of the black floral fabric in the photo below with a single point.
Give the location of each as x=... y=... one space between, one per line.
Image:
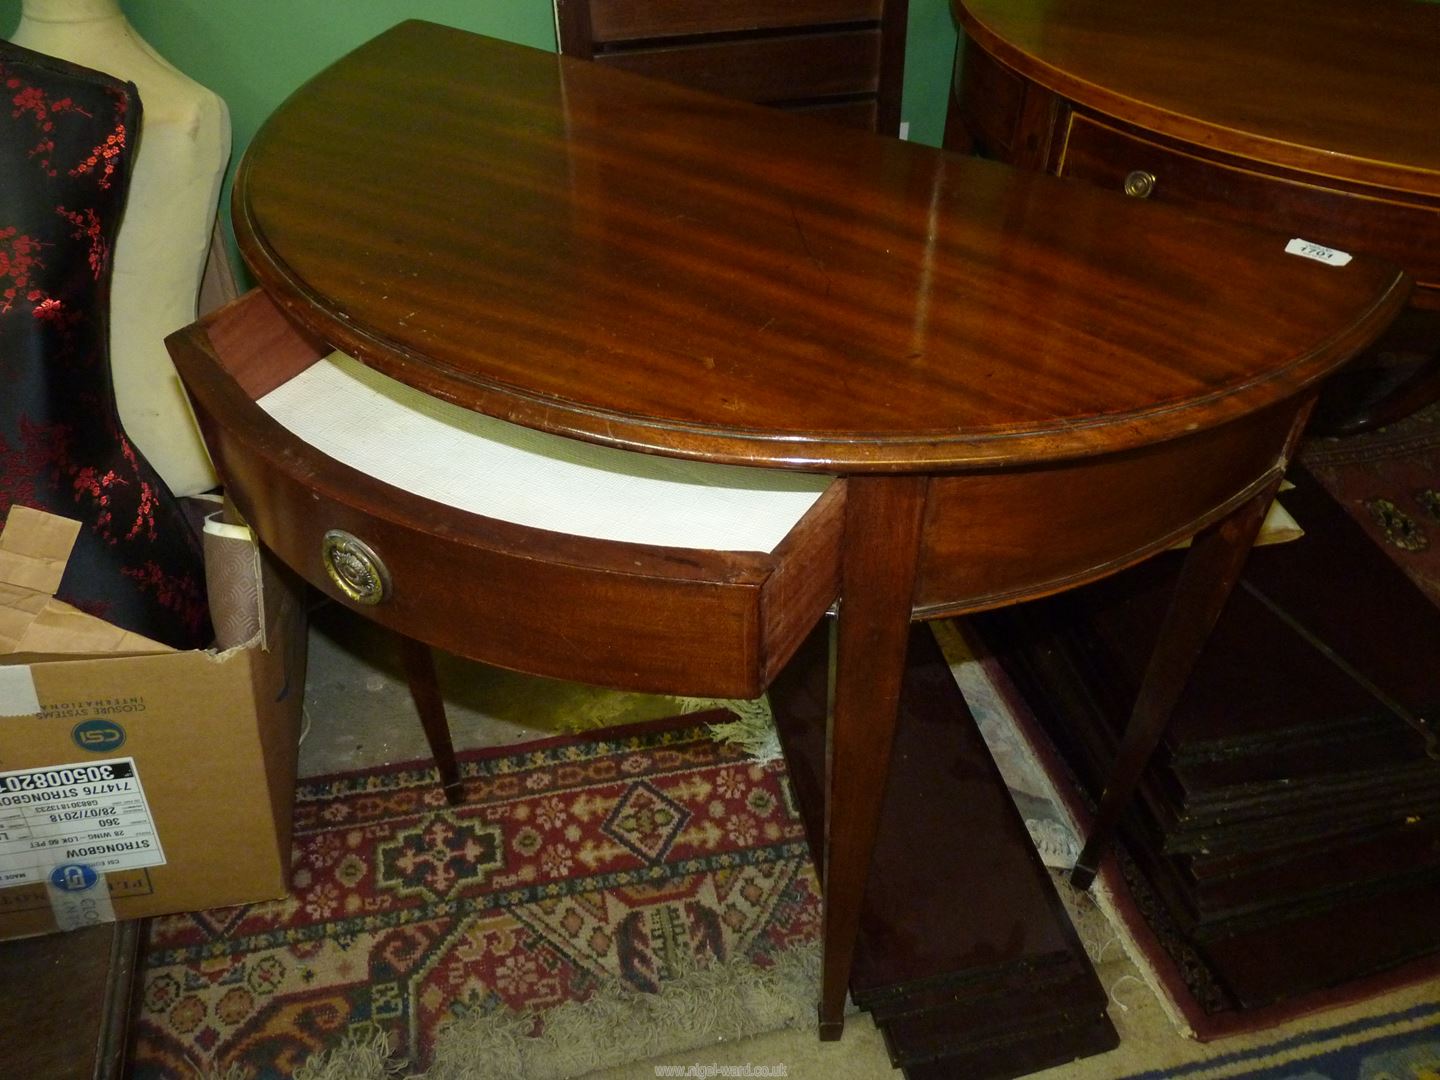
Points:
x=67 y=143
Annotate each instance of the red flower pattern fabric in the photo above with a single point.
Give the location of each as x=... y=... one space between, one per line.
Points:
x=66 y=138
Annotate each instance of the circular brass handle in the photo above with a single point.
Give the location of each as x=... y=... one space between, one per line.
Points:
x=354 y=568
x=1139 y=184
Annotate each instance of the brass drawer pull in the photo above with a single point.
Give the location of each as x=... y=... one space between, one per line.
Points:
x=354 y=568
x=1139 y=184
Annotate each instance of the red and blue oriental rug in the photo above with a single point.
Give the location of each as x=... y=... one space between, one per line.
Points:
x=576 y=864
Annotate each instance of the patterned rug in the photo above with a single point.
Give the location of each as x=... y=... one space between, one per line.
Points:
x=581 y=866
x=576 y=865
x=1399 y=1045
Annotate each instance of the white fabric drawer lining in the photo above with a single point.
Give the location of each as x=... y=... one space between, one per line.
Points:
x=477 y=463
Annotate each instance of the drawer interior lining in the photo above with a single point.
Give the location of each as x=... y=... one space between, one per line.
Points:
x=485 y=466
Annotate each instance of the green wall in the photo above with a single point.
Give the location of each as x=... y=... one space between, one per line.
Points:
x=253 y=53
x=929 y=54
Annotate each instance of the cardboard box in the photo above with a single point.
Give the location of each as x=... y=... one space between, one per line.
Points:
x=134 y=785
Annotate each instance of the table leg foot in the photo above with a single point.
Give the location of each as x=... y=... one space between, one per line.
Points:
x=831 y=1030
x=419 y=666
x=1082 y=876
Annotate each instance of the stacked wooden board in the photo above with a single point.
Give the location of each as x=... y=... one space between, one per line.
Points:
x=1290 y=827
x=966 y=957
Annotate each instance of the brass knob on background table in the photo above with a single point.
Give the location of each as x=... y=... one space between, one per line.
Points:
x=354 y=568
x=1139 y=184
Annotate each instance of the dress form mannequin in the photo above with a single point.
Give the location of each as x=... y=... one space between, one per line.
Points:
x=165 y=235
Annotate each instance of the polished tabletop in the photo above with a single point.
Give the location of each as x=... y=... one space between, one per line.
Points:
x=598 y=255
x=1347 y=89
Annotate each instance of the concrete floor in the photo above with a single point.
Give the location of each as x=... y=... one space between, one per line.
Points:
x=359 y=715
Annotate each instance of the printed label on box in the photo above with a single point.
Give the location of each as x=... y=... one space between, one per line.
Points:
x=91 y=814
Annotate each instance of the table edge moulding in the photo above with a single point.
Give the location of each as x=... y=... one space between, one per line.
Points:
x=1018 y=384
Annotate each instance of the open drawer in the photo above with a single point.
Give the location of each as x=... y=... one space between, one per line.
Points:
x=560 y=559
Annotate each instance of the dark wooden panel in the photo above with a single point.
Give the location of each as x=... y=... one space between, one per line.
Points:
x=68 y=1002
x=991 y=97
x=1019 y=1058
x=1074 y=523
x=966 y=957
x=1367 y=936
x=617 y=20
x=853 y=114
x=766 y=69
x=746 y=33
x=1405 y=230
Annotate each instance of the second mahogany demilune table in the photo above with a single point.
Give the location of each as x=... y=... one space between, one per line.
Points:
x=1005 y=385
x=1319 y=116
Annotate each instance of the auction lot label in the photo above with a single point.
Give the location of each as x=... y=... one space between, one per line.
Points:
x=91 y=813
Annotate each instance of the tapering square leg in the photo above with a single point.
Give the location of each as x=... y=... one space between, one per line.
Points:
x=882 y=538
x=1211 y=569
x=419 y=664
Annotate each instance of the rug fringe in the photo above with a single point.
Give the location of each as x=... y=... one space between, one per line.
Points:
x=753 y=728
x=230 y=1072
x=722 y=1002
x=365 y=1054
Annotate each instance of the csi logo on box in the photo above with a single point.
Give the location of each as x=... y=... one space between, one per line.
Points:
x=98 y=735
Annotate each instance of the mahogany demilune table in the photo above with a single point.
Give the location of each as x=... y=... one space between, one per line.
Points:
x=1017 y=385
